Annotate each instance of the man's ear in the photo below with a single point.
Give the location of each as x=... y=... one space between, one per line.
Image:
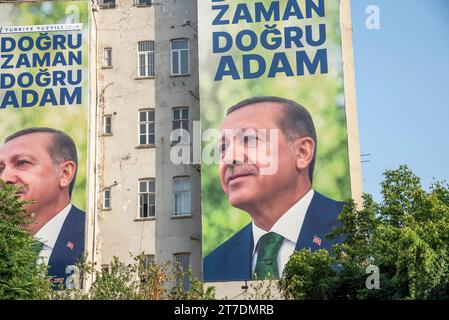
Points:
x=67 y=169
x=305 y=149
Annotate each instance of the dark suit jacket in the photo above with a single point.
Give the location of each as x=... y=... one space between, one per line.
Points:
x=231 y=261
x=69 y=245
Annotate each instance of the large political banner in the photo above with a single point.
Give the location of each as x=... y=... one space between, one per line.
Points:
x=275 y=165
x=44 y=104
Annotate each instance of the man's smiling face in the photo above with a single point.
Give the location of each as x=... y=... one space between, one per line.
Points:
x=25 y=161
x=240 y=166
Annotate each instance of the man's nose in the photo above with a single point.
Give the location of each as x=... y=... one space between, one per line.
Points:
x=8 y=176
x=235 y=154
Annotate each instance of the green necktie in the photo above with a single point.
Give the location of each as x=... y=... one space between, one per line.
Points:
x=267 y=264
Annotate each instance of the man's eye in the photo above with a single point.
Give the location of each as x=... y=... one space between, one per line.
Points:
x=248 y=139
x=223 y=148
x=22 y=163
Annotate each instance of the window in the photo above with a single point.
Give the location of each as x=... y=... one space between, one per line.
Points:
x=146 y=198
x=180 y=120
x=182 y=263
x=107 y=124
x=105 y=268
x=143 y=3
x=181 y=196
x=146 y=127
x=149 y=259
x=107 y=198
x=107 y=3
x=107 y=57
x=146 y=58
x=179 y=57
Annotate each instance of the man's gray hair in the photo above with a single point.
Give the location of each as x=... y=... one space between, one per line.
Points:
x=295 y=121
x=61 y=149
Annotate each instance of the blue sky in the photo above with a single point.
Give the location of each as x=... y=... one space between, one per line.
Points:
x=402 y=83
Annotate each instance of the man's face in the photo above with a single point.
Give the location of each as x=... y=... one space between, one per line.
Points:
x=245 y=182
x=25 y=161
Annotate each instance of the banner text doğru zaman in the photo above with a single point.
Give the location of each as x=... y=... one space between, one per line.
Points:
x=41 y=71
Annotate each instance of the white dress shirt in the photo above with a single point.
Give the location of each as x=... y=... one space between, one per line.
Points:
x=49 y=233
x=289 y=226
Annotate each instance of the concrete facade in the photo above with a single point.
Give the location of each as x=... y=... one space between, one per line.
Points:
x=122 y=160
x=176 y=234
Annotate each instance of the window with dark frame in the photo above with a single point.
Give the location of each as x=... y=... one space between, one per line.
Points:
x=143 y=3
x=107 y=124
x=107 y=57
x=180 y=120
x=105 y=268
x=182 y=264
x=107 y=198
x=106 y=3
x=148 y=260
x=147 y=206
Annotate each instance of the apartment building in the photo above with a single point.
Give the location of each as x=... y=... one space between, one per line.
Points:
x=147 y=84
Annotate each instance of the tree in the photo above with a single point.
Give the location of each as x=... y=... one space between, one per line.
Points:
x=406 y=236
x=308 y=276
x=20 y=276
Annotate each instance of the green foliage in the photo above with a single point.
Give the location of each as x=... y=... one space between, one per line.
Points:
x=137 y=281
x=20 y=277
x=114 y=284
x=406 y=236
x=197 y=290
x=308 y=276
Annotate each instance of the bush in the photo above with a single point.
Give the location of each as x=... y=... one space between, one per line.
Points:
x=406 y=236
x=20 y=277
